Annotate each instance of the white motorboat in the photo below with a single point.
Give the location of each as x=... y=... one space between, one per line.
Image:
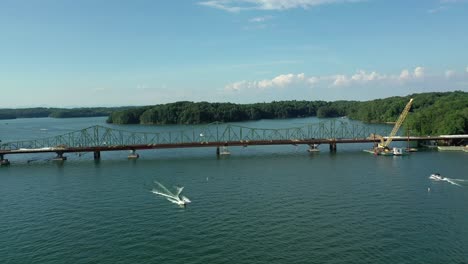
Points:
x=313 y=148
x=173 y=197
x=224 y=152
x=436 y=177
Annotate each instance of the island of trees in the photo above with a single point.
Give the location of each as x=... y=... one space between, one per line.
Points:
x=432 y=113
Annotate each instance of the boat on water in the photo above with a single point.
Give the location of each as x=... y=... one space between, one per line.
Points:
x=387 y=152
x=179 y=200
x=176 y=197
x=398 y=152
x=313 y=148
x=451 y=148
x=436 y=177
x=224 y=152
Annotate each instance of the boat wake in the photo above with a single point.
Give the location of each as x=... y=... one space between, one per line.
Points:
x=173 y=197
x=438 y=177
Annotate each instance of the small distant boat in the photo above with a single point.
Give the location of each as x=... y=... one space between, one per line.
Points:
x=387 y=152
x=179 y=200
x=313 y=148
x=397 y=151
x=411 y=149
x=436 y=177
x=172 y=197
x=451 y=148
x=224 y=152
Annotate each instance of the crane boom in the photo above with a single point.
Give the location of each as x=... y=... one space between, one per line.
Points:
x=400 y=121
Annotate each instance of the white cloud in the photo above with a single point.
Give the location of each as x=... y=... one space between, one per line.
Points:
x=237 y=86
x=437 y=9
x=444 y=5
x=361 y=85
x=419 y=72
x=240 y=5
x=360 y=78
x=260 y=19
x=449 y=73
x=341 y=80
x=279 y=81
x=452 y=1
x=313 y=80
x=404 y=75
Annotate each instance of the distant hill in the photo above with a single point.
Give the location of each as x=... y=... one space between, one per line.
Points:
x=432 y=113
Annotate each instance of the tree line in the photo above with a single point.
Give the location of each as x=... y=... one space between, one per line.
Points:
x=432 y=113
x=57 y=112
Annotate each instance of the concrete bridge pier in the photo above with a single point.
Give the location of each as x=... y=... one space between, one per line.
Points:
x=3 y=161
x=60 y=157
x=333 y=147
x=97 y=155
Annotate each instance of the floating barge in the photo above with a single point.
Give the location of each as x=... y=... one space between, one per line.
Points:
x=387 y=152
x=452 y=148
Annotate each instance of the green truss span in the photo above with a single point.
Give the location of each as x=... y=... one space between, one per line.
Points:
x=100 y=136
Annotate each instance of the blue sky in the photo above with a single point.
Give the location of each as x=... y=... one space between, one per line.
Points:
x=69 y=53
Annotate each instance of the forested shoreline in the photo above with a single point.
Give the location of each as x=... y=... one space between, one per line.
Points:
x=431 y=113
x=9 y=113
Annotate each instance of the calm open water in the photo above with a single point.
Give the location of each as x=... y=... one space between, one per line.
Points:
x=260 y=205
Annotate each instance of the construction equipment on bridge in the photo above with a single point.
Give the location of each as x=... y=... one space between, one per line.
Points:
x=382 y=148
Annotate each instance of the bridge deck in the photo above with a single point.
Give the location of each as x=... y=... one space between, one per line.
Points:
x=99 y=138
x=211 y=144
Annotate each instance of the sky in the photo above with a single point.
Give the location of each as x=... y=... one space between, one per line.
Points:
x=87 y=53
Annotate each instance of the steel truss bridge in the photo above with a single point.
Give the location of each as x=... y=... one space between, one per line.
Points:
x=100 y=138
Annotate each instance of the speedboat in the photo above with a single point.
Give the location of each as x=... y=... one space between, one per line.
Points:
x=313 y=148
x=436 y=177
x=179 y=200
x=173 y=197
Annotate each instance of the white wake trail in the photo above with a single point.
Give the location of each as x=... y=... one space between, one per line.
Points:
x=170 y=196
x=451 y=181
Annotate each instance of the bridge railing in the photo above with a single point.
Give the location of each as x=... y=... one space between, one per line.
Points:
x=99 y=136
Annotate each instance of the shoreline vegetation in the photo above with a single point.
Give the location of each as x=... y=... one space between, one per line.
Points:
x=432 y=113
x=37 y=112
x=436 y=113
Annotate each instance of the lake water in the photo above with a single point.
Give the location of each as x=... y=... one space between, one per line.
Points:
x=275 y=204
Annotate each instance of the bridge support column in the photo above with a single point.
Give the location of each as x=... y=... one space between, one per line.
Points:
x=133 y=155
x=3 y=161
x=60 y=157
x=333 y=147
x=97 y=155
x=217 y=151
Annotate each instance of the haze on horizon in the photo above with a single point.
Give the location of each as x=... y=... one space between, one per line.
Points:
x=113 y=53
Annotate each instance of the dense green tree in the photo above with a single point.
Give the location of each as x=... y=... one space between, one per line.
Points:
x=431 y=113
